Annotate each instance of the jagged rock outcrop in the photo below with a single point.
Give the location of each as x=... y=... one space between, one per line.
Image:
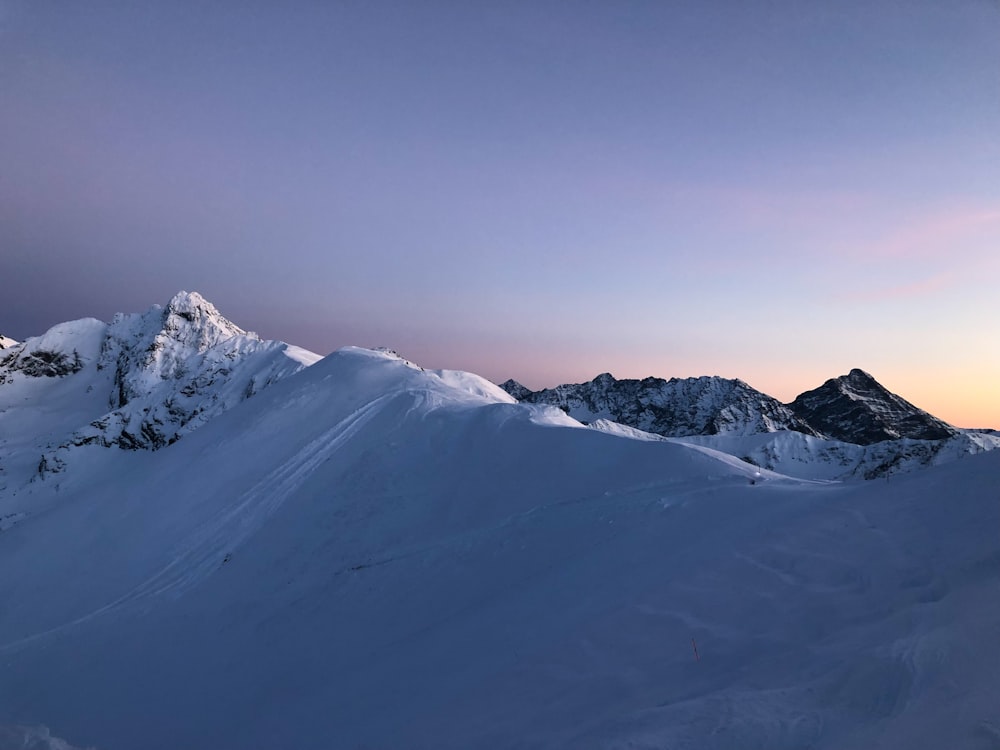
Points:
x=856 y=408
x=42 y=363
x=674 y=408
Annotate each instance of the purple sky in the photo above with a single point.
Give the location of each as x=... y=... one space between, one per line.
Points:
x=776 y=191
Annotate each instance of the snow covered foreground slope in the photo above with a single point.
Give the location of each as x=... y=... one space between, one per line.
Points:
x=368 y=555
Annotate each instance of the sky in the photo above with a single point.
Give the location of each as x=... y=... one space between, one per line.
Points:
x=774 y=191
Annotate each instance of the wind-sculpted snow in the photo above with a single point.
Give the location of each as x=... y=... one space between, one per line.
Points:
x=372 y=555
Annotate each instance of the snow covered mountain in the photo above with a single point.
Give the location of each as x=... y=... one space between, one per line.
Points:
x=371 y=555
x=139 y=382
x=808 y=457
x=855 y=408
x=850 y=428
x=674 y=408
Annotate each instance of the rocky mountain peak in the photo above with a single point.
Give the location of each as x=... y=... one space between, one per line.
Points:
x=146 y=378
x=515 y=389
x=856 y=408
x=194 y=321
x=858 y=380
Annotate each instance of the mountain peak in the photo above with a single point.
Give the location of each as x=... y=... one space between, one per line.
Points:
x=148 y=377
x=515 y=389
x=191 y=318
x=856 y=408
x=190 y=303
x=860 y=384
x=857 y=373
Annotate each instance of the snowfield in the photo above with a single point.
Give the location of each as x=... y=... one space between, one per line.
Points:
x=370 y=555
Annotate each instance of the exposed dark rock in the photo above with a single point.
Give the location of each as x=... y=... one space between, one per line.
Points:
x=855 y=408
x=515 y=389
x=45 y=364
x=674 y=408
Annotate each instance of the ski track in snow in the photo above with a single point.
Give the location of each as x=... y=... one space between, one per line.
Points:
x=206 y=549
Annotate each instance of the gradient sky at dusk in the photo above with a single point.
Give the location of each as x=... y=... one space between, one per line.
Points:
x=776 y=191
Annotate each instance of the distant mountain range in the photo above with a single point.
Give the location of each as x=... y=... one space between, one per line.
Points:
x=851 y=426
x=853 y=408
x=144 y=380
x=675 y=407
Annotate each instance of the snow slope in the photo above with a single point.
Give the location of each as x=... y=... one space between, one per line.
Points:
x=370 y=555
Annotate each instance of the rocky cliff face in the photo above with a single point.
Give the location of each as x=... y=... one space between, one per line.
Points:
x=674 y=408
x=855 y=408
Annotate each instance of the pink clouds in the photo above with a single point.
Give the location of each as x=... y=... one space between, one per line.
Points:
x=910 y=290
x=766 y=206
x=939 y=236
x=935 y=253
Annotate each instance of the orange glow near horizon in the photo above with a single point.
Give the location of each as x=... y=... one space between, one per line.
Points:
x=959 y=397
